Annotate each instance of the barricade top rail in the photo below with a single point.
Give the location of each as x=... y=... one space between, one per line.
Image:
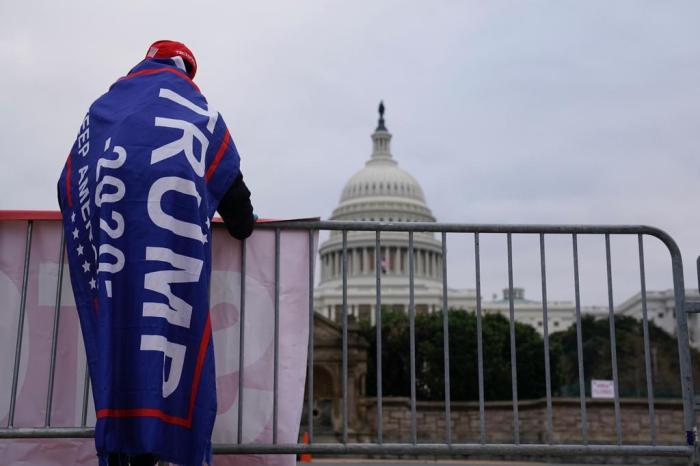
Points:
x=435 y=227
x=430 y=227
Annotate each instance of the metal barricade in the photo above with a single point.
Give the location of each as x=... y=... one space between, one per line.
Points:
x=683 y=448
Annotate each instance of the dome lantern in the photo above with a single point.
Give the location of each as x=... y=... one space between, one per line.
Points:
x=381 y=139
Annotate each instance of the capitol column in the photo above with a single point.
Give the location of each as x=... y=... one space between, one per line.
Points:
x=397 y=260
x=363 y=262
x=415 y=260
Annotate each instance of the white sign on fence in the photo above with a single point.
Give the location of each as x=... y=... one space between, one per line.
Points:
x=602 y=389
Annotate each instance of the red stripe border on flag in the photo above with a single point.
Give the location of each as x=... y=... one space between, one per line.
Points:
x=148 y=71
x=217 y=158
x=160 y=414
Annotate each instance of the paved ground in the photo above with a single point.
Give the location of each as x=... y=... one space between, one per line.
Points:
x=358 y=462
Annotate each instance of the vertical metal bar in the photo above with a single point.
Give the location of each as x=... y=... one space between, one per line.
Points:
x=647 y=345
x=86 y=392
x=344 y=264
x=479 y=342
x=378 y=327
x=545 y=326
x=241 y=344
x=446 y=342
x=310 y=370
x=684 y=358
x=579 y=345
x=412 y=335
x=54 y=334
x=275 y=401
x=20 y=323
x=613 y=344
x=513 y=349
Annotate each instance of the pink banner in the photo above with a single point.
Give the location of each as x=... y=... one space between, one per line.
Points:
x=258 y=361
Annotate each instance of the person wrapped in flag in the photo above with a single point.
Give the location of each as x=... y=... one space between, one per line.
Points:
x=151 y=164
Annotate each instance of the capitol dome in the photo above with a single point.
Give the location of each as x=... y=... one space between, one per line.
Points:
x=382 y=192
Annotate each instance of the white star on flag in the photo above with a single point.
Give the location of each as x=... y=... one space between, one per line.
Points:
x=86 y=266
x=92 y=284
x=207 y=222
x=72 y=217
x=75 y=233
x=79 y=249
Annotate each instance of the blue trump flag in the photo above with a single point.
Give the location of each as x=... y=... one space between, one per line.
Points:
x=146 y=173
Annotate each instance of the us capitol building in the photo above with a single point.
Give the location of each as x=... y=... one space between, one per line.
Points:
x=383 y=191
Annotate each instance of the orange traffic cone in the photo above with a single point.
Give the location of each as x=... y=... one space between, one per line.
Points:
x=305 y=457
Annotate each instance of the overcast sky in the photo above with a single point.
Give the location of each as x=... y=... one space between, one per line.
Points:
x=554 y=111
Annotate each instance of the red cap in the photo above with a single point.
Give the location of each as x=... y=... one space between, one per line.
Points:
x=171 y=48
